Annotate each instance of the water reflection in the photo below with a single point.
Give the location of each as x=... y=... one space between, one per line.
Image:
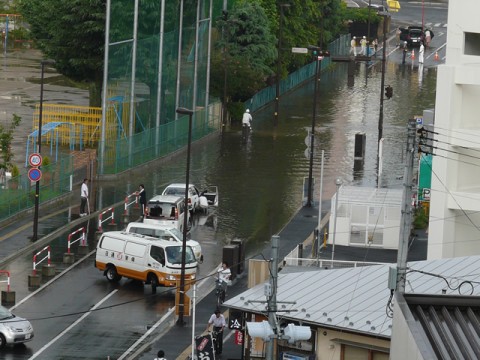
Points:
x=260 y=182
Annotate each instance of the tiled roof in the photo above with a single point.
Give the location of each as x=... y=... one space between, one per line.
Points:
x=355 y=299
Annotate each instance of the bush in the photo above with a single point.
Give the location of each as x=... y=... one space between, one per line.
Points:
x=421 y=219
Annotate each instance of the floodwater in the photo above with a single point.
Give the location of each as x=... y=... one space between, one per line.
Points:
x=260 y=181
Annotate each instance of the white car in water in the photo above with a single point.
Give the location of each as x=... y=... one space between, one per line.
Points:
x=178 y=189
x=13 y=329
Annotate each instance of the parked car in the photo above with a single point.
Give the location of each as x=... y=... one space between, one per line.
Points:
x=413 y=35
x=179 y=190
x=164 y=232
x=168 y=210
x=13 y=329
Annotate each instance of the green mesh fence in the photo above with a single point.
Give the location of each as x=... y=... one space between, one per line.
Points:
x=166 y=68
x=341 y=46
x=18 y=194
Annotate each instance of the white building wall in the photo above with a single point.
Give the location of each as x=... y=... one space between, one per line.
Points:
x=454 y=228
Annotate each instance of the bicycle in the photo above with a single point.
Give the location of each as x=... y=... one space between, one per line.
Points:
x=220 y=291
x=245 y=132
x=216 y=336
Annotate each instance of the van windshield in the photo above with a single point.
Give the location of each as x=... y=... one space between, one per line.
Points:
x=174 y=255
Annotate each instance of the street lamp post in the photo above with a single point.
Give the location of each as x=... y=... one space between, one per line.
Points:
x=181 y=305
x=279 y=64
x=39 y=149
x=338 y=183
x=318 y=62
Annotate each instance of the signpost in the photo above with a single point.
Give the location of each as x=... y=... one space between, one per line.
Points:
x=297 y=50
x=35 y=160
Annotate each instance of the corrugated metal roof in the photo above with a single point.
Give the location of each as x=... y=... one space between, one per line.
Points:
x=355 y=299
x=449 y=325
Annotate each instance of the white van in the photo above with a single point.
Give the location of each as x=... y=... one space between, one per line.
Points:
x=144 y=258
x=168 y=210
x=164 y=232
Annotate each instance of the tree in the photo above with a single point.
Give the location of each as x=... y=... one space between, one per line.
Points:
x=73 y=34
x=6 y=137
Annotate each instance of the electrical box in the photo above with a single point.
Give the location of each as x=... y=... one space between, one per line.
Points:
x=392 y=278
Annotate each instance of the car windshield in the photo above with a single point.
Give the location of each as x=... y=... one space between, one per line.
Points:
x=5 y=314
x=174 y=255
x=176 y=232
x=175 y=191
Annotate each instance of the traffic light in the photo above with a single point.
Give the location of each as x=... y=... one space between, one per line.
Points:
x=260 y=329
x=388 y=91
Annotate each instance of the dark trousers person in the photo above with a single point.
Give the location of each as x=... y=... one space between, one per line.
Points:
x=83 y=203
x=219 y=342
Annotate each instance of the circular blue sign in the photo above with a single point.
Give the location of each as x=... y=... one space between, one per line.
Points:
x=34 y=174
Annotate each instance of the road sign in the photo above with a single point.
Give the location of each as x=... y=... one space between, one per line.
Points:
x=426 y=194
x=320 y=58
x=35 y=160
x=299 y=50
x=34 y=174
x=419 y=120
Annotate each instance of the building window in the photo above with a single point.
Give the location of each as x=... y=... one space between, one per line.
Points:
x=356 y=353
x=472 y=44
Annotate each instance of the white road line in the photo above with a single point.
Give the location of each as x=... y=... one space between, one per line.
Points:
x=73 y=325
x=52 y=280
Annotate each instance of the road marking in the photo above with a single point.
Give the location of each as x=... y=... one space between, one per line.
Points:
x=29 y=225
x=73 y=325
x=55 y=278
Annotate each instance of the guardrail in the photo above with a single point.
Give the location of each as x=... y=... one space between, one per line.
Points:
x=8 y=279
x=129 y=203
x=326 y=264
x=35 y=262
x=101 y=220
x=82 y=238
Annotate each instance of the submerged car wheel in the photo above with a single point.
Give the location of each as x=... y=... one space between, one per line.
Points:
x=3 y=342
x=112 y=275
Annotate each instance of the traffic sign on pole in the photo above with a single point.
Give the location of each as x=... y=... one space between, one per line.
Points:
x=35 y=159
x=34 y=174
x=299 y=50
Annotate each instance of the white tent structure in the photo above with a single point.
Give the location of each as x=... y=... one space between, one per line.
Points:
x=366 y=216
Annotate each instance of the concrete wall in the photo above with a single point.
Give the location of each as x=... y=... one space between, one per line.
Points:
x=455 y=186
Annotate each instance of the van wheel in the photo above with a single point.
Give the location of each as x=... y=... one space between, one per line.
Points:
x=153 y=281
x=112 y=275
x=3 y=342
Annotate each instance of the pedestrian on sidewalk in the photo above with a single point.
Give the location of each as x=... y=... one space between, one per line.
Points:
x=353 y=46
x=363 y=44
x=83 y=197
x=218 y=321
x=160 y=355
x=421 y=51
x=142 y=199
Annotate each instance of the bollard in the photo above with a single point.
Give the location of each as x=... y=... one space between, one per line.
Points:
x=82 y=249
x=33 y=281
x=8 y=298
x=48 y=270
x=68 y=258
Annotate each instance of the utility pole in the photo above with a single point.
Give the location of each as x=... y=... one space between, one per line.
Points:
x=272 y=299
x=406 y=224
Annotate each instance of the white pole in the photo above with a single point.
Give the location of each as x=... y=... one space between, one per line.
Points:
x=320 y=205
x=338 y=183
x=193 y=320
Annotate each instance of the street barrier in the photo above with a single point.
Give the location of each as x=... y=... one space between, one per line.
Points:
x=101 y=220
x=82 y=238
x=8 y=279
x=35 y=262
x=129 y=203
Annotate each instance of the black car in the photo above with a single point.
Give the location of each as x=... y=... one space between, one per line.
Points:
x=413 y=35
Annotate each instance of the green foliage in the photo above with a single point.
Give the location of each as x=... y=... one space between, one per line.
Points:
x=361 y=15
x=72 y=33
x=421 y=219
x=15 y=171
x=6 y=137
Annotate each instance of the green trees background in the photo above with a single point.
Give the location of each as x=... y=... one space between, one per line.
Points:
x=245 y=40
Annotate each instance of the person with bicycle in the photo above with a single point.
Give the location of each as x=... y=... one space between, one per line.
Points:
x=224 y=275
x=218 y=321
x=247 y=119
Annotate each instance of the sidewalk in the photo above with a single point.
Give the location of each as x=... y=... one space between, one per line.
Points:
x=176 y=341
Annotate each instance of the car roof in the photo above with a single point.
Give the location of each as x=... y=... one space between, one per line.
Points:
x=165 y=198
x=178 y=185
